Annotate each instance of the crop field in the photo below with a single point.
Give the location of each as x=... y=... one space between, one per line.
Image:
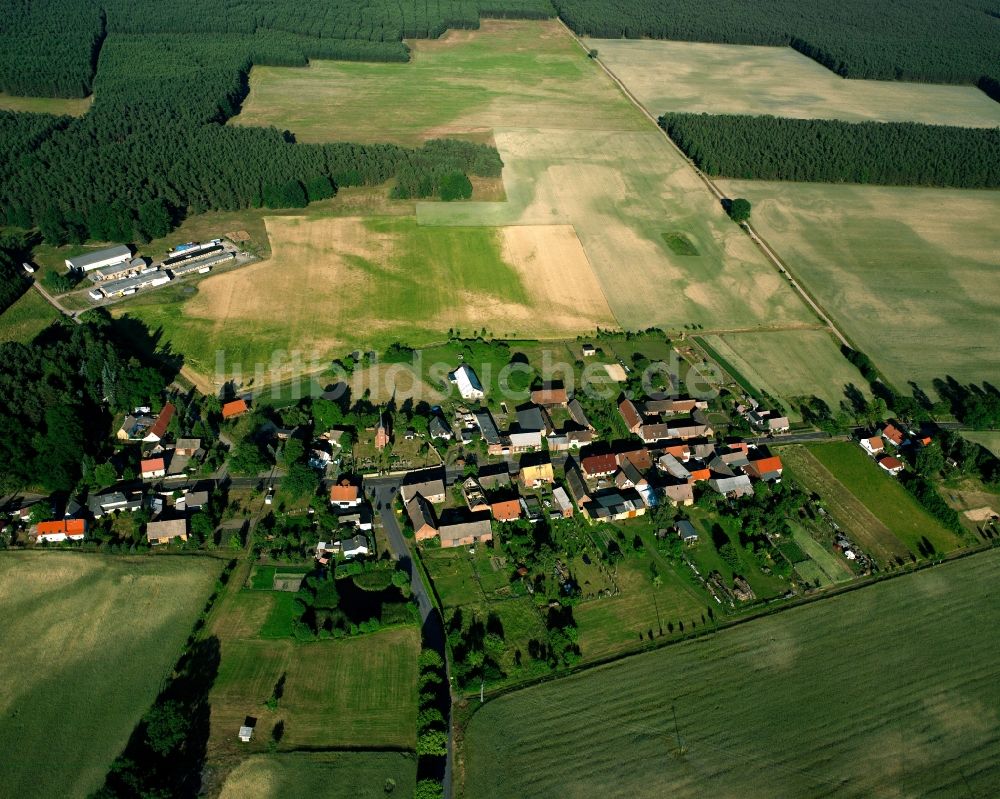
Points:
x=791 y=365
x=26 y=318
x=742 y=79
x=88 y=643
x=795 y=704
x=331 y=698
x=46 y=105
x=909 y=273
x=336 y=775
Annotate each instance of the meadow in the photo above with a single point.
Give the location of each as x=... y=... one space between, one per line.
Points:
x=697 y=77
x=990 y=439
x=46 y=105
x=336 y=775
x=89 y=642
x=908 y=273
x=796 y=704
x=356 y=692
x=791 y=365
x=26 y=318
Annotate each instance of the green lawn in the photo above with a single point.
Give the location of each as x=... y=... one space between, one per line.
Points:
x=908 y=273
x=453 y=576
x=88 y=643
x=335 y=775
x=774 y=707
x=883 y=496
x=26 y=318
x=986 y=438
x=832 y=568
x=738 y=79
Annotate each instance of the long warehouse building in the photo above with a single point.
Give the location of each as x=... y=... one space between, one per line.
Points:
x=99 y=258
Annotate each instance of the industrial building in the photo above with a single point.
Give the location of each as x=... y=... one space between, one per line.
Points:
x=99 y=258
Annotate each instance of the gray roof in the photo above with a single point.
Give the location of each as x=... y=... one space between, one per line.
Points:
x=476 y=529
x=420 y=512
x=438 y=428
x=577 y=413
x=739 y=485
x=95 y=257
x=531 y=418
x=489 y=427
x=673 y=466
x=686 y=530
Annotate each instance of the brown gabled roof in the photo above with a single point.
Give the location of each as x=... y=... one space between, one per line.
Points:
x=234 y=408
x=506 y=511
x=549 y=396
x=599 y=464
x=629 y=413
x=889 y=462
x=893 y=433
x=159 y=428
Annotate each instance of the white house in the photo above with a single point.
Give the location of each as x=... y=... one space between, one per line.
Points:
x=352 y=547
x=524 y=442
x=873 y=446
x=468 y=383
x=152 y=468
x=99 y=258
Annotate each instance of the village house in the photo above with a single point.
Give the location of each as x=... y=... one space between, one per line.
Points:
x=639 y=457
x=628 y=411
x=732 y=487
x=894 y=435
x=475 y=497
x=562 y=502
x=536 y=470
x=421 y=516
x=629 y=477
x=466 y=533
x=345 y=495
x=492 y=477
x=187 y=446
x=873 y=446
x=679 y=494
x=231 y=410
x=159 y=427
x=193 y=500
x=588 y=350
x=599 y=466
x=61 y=530
x=507 y=511
x=468 y=383
x=151 y=468
x=360 y=519
x=102 y=504
x=768 y=469
x=490 y=431
x=352 y=547
x=133 y=428
x=686 y=531
x=439 y=429
x=891 y=465
x=616 y=505
x=557 y=442
x=669 y=464
x=525 y=442
x=579 y=438
x=165 y=532
x=429 y=483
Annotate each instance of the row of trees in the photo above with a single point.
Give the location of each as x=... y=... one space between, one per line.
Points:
x=921 y=40
x=831 y=151
x=12 y=278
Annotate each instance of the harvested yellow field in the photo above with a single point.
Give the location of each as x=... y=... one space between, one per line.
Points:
x=742 y=79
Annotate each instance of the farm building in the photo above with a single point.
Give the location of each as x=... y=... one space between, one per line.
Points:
x=231 y=410
x=633 y=421
x=99 y=258
x=422 y=518
x=738 y=486
x=466 y=533
x=62 y=530
x=468 y=383
x=525 y=442
x=669 y=464
x=165 y=532
x=679 y=494
x=187 y=446
x=531 y=418
x=577 y=487
x=561 y=500
x=550 y=396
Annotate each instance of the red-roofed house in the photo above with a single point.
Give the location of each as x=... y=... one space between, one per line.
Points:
x=873 y=445
x=152 y=468
x=159 y=428
x=61 y=530
x=599 y=465
x=894 y=434
x=549 y=396
x=235 y=408
x=345 y=495
x=633 y=421
x=506 y=511
x=892 y=465
x=765 y=468
x=700 y=473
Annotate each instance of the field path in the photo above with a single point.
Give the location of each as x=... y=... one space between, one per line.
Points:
x=762 y=245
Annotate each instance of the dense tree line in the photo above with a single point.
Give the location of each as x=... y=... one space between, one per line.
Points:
x=56 y=403
x=12 y=278
x=831 y=151
x=925 y=40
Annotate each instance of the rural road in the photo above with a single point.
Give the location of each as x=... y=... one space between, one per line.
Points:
x=382 y=492
x=54 y=302
x=762 y=245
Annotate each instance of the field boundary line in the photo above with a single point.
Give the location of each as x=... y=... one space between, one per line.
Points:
x=762 y=245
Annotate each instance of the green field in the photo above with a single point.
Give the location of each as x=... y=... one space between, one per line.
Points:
x=831 y=568
x=355 y=692
x=334 y=775
x=45 y=105
x=883 y=495
x=26 y=318
x=797 y=704
x=791 y=365
x=739 y=79
x=986 y=438
x=908 y=273
x=88 y=644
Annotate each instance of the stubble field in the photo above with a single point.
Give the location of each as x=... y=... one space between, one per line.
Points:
x=697 y=77
x=46 y=105
x=88 y=643
x=797 y=704
x=910 y=274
